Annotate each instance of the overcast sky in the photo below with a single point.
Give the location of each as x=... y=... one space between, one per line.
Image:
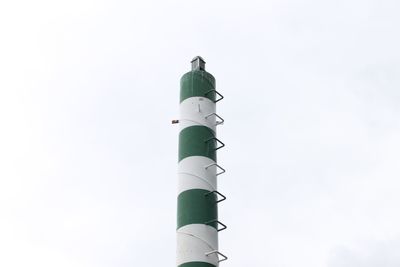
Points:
x=88 y=155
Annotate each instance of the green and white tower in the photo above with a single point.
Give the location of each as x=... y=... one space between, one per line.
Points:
x=198 y=196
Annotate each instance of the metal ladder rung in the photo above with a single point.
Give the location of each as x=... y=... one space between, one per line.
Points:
x=218 y=193
x=217 y=140
x=218 y=253
x=219 y=167
x=218 y=222
x=216 y=115
x=217 y=93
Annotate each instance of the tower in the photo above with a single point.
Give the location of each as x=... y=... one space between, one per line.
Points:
x=198 y=196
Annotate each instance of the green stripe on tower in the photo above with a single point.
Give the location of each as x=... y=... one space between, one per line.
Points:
x=197 y=83
x=197 y=141
x=197 y=206
x=196 y=264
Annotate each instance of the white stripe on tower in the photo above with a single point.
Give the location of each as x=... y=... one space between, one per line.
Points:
x=197 y=111
x=194 y=241
x=197 y=172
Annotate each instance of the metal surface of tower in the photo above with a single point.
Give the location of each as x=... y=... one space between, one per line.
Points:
x=198 y=198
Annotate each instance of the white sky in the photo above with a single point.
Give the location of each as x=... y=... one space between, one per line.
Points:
x=88 y=156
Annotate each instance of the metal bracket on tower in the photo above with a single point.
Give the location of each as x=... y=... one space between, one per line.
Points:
x=218 y=141
x=216 y=115
x=218 y=193
x=215 y=164
x=218 y=253
x=218 y=222
x=217 y=93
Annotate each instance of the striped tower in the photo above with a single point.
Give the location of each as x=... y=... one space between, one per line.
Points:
x=198 y=198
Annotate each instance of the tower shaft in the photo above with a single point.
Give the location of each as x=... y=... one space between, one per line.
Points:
x=198 y=196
